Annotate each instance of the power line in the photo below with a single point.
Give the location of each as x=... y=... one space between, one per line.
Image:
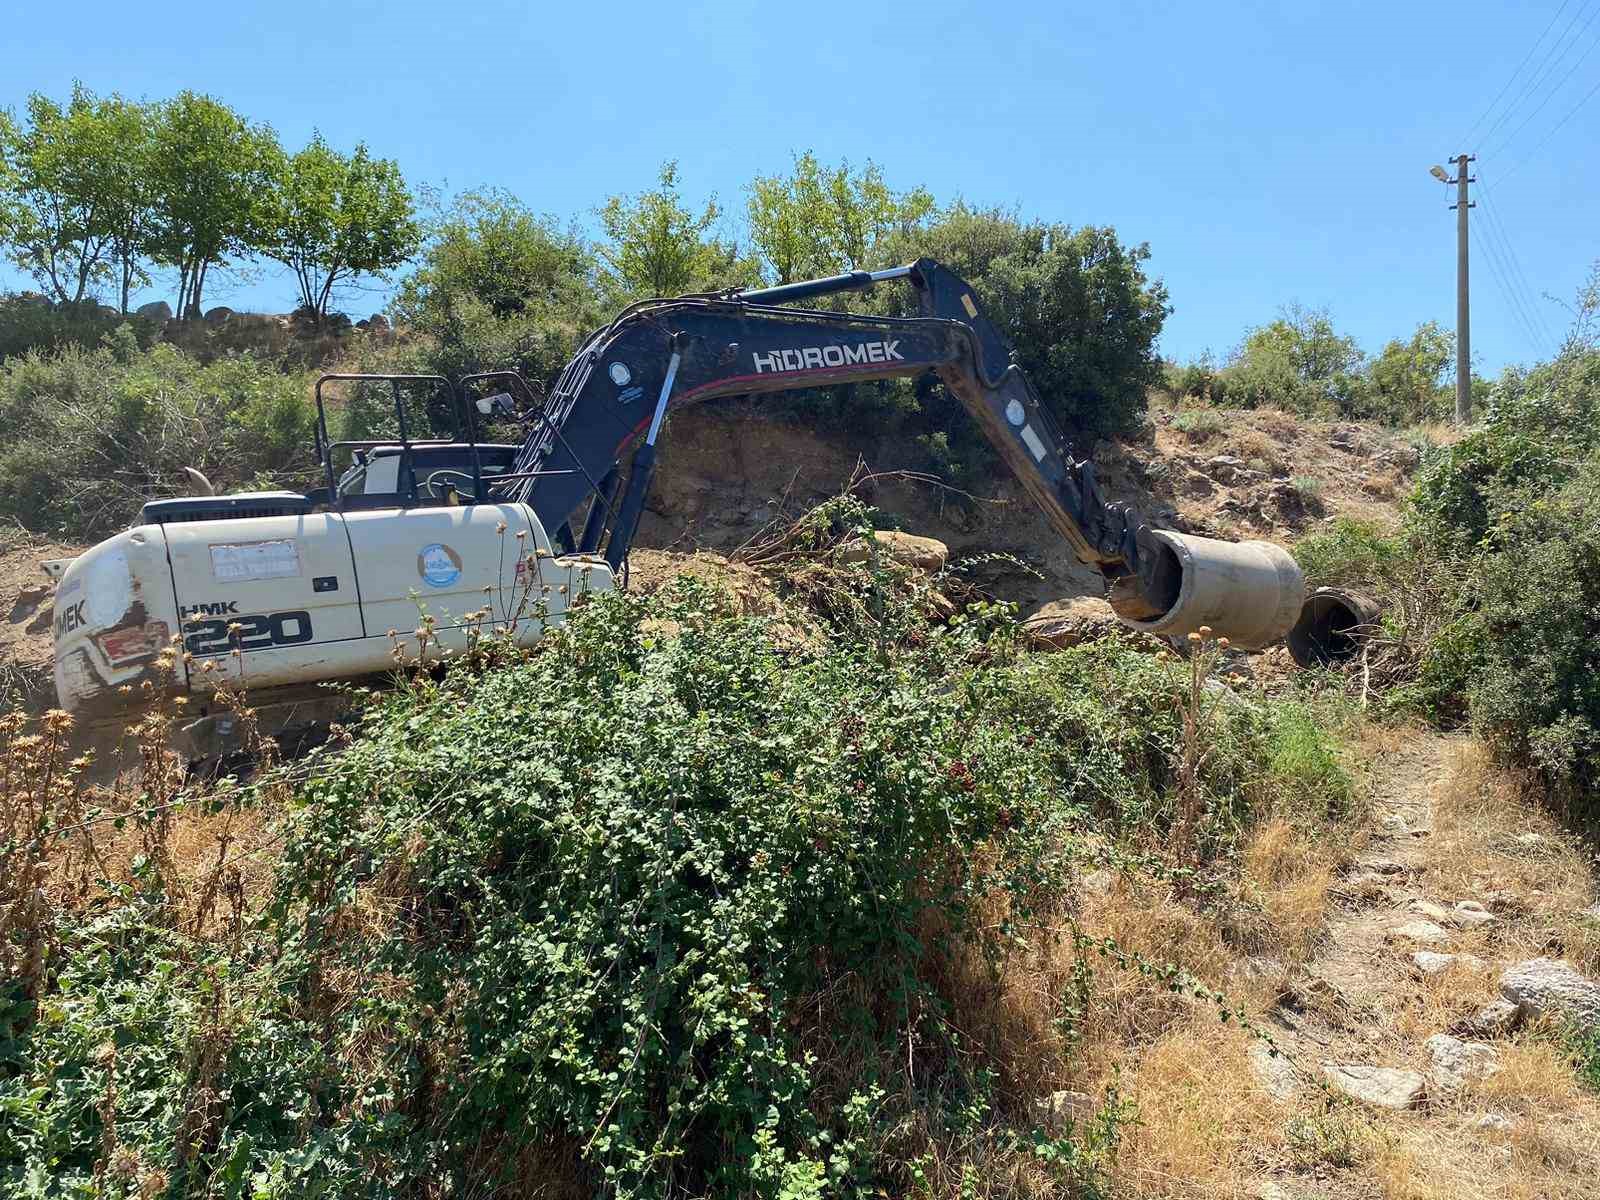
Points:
x=1521 y=162
x=1505 y=87
x=1543 y=71
x=1513 y=306
x=1548 y=96
x=1518 y=278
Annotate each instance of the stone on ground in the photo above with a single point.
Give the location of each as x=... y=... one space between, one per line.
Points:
x=1456 y=1062
x=1431 y=962
x=1494 y=1123
x=1436 y=913
x=1425 y=932
x=1058 y=1110
x=1469 y=914
x=1495 y=1019
x=907 y=549
x=1384 y=1087
x=1275 y=1071
x=1061 y=624
x=1554 y=987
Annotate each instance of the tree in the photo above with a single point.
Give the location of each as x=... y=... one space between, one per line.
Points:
x=129 y=193
x=1410 y=377
x=499 y=286
x=63 y=171
x=209 y=169
x=491 y=248
x=1302 y=363
x=821 y=220
x=331 y=216
x=1076 y=305
x=657 y=247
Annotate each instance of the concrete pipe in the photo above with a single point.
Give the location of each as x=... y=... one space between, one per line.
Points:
x=1248 y=592
x=1334 y=624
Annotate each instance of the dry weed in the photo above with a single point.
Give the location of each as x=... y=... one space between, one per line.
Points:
x=1205 y=1125
x=1288 y=872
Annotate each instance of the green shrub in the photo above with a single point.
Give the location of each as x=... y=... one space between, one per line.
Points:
x=28 y=324
x=1539 y=428
x=1194 y=381
x=1199 y=423
x=94 y=433
x=1350 y=551
x=1302 y=767
x=1536 y=694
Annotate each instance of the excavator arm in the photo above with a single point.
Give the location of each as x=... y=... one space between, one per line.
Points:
x=657 y=354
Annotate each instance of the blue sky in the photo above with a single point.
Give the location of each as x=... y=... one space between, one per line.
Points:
x=1268 y=152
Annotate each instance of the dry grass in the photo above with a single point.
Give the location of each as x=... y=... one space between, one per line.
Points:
x=1288 y=871
x=1482 y=850
x=1205 y=1125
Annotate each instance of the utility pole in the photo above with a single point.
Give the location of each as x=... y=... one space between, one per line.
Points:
x=1463 y=310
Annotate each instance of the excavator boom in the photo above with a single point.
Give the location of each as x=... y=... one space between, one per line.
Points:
x=615 y=393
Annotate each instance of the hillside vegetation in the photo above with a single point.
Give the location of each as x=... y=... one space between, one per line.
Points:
x=683 y=901
x=805 y=871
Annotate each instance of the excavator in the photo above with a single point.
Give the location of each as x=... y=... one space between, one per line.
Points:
x=280 y=592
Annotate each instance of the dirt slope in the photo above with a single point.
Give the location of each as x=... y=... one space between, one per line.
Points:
x=728 y=469
x=25 y=634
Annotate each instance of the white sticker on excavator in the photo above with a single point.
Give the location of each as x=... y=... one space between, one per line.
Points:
x=1034 y=444
x=238 y=562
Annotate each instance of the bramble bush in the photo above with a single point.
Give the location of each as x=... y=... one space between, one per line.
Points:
x=666 y=906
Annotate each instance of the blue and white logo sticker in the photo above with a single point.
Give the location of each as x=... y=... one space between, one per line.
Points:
x=438 y=565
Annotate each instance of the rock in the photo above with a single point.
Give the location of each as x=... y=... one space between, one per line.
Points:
x=1494 y=1123
x=1060 y=624
x=35 y=299
x=1552 y=986
x=907 y=549
x=1347 y=438
x=1495 y=1019
x=158 y=311
x=218 y=315
x=1456 y=1062
x=1060 y=1110
x=1425 y=932
x=1469 y=914
x=1437 y=913
x=378 y=323
x=1225 y=468
x=1275 y=1071
x=1385 y=1087
x=1367 y=884
x=1430 y=962
x=1386 y=866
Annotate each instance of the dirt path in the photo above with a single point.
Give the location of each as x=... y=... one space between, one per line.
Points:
x=1400 y=1066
